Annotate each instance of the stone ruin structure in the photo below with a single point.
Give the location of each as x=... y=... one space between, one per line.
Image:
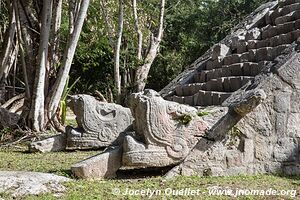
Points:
x=235 y=110
x=99 y=125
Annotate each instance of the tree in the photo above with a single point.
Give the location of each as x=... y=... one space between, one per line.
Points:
x=34 y=28
x=133 y=78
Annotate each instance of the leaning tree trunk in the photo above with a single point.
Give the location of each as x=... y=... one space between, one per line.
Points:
x=9 y=52
x=57 y=90
x=143 y=70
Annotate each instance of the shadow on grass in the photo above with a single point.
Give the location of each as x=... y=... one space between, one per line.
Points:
x=142 y=173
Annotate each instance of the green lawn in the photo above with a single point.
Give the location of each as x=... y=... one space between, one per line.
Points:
x=59 y=163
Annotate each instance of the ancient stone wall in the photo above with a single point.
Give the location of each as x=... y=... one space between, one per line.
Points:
x=264 y=141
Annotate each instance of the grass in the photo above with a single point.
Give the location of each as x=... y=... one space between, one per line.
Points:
x=59 y=163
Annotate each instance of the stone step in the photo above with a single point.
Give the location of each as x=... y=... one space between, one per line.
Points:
x=203 y=98
x=188 y=89
x=209 y=98
x=287 y=2
x=293 y=16
x=274 y=41
x=223 y=84
x=286 y=9
x=226 y=84
x=271 y=31
x=238 y=69
x=255 y=55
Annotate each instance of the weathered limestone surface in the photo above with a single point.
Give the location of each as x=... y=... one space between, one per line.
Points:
x=51 y=144
x=265 y=140
x=104 y=165
x=99 y=124
x=165 y=139
x=255 y=74
x=20 y=183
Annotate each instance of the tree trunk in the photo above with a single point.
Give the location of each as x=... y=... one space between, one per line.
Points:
x=137 y=29
x=8 y=55
x=57 y=10
x=143 y=71
x=118 y=48
x=60 y=82
x=37 y=117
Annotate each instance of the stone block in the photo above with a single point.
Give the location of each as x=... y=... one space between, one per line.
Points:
x=104 y=165
x=295 y=35
x=195 y=98
x=201 y=96
x=284 y=28
x=293 y=124
x=291 y=169
x=244 y=57
x=212 y=85
x=252 y=44
x=297 y=24
x=283 y=3
x=274 y=41
x=234 y=158
x=179 y=91
x=254 y=69
x=234 y=58
x=226 y=85
x=236 y=69
x=216 y=99
x=242 y=47
x=252 y=55
x=263 y=149
x=248 y=151
x=282 y=102
x=224 y=96
x=210 y=75
x=253 y=34
x=283 y=19
x=263 y=54
x=263 y=43
x=196 y=77
x=213 y=64
x=202 y=77
x=51 y=144
x=247 y=69
x=178 y=99
x=295 y=107
x=189 y=100
x=235 y=83
x=236 y=40
x=208 y=98
x=281 y=124
x=245 y=80
x=220 y=50
x=220 y=85
x=268 y=19
x=273 y=15
x=286 y=150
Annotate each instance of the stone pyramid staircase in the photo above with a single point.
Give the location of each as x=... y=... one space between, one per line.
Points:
x=232 y=65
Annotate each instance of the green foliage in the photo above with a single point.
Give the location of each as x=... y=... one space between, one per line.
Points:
x=184 y=119
x=59 y=163
x=192 y=27
x=234 y=133
x=202 y=113
x=63 y=103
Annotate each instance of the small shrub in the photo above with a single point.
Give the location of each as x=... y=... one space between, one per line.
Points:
x=185 y=119
x=202 y=113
